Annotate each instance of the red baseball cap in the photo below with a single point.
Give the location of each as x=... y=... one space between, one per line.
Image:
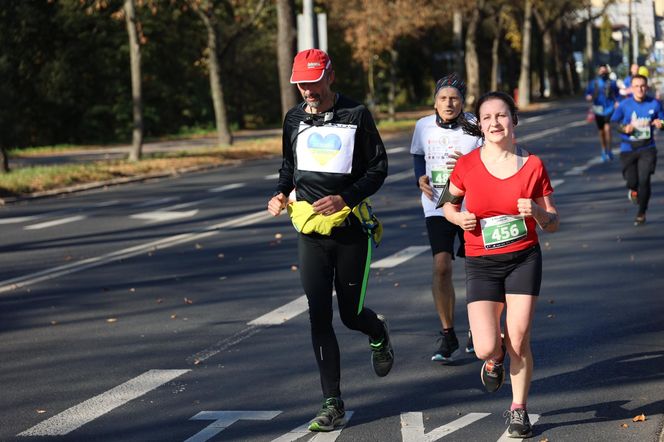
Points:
x=309 y=66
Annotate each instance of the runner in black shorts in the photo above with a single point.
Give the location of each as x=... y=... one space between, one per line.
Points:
x=437 y=143
x=508 y=195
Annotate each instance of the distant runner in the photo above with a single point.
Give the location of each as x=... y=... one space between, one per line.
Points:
x=603 y=93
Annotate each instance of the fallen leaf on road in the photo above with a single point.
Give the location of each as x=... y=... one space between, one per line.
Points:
x=544 y=439
x=198 y=246
x=278 y=236
x=111 y=320
x=396 y=284
x=54 y=322
x=551 y=316
x=40 y=411
x=159 y=300
x=220 y=256
x=640 y=418
x=625 y=426
x=188 y=301
x=293 y=268
x=196 y=362
x=173 y=316
x=132 y=290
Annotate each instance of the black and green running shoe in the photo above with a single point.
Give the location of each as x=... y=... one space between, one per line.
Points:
x=331 y=415
x=382 y=354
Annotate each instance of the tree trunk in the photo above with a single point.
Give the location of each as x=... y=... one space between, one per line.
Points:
x=472 y=61
x=495 y=56
x=4 y=160
x=286 y=42
x=392 y=91
x=457 y=39
x=371 y=94
x=588 y=53
x=136 y=92
x=546 y=55
x=224 y=136
x=524 y=75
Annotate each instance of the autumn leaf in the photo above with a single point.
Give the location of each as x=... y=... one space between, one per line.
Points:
x=396 y=284
x=640 y=418
x=625 y=426
x=40 y=411
x=173 y=316
x=278 y=236
x=293 y=268
x=188 y=301
x=112 y=320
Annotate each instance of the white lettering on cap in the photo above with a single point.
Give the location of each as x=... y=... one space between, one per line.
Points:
x=313 y=64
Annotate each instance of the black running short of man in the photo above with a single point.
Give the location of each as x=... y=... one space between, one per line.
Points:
x=442 y=234
x=601 y=120
x=490 y=277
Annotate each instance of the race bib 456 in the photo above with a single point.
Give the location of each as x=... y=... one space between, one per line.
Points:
x=500 y=231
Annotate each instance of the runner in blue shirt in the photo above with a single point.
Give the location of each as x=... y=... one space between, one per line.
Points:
x=637 y=116
x=603 y=93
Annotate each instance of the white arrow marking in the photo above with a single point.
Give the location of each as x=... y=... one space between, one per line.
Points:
x=224 y=419
x=81 y=414
x=303 y=430
x=505 y=438
x=55 y=222
x=399 y=257
x=160 y=216
x=412 y=427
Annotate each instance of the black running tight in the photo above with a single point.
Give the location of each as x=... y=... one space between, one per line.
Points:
x=337 y=259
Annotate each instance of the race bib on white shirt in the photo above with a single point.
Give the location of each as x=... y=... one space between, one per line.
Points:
x=437 y=145
x=327 y=148
x=641 y=127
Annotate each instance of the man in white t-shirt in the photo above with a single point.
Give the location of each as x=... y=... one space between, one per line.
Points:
x=437 y=143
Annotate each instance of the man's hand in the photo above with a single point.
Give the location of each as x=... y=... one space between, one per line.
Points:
x=657 y=123
x=452 y=159
x=589 y=98
x=329 y=205
x=425 y=187
x=628 y=128
x=276 y=204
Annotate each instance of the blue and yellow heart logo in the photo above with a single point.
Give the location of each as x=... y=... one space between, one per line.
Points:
x=323 y=148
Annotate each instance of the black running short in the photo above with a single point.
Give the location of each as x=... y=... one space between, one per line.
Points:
x=442 y=234
x=490 y=277
x=601 y=120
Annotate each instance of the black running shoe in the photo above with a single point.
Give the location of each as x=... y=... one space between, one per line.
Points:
x=382 y=354
x=470 y=348
x=448 y=344
x=519 y=423
x=331 y=415
x=493 y=375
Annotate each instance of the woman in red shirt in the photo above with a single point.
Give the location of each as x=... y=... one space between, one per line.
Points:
x=507 y=194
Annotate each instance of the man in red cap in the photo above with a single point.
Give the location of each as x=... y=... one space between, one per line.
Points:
x=334 y=158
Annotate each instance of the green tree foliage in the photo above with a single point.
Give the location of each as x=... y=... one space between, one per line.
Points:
x=605 y=41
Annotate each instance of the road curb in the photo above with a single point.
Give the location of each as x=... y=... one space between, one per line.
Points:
x=106 y=183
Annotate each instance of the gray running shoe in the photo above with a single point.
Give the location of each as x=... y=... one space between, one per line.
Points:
x=331 y=415
x=382 y=354
x=519 y=423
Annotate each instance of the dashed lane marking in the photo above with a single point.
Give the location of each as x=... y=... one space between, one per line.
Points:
x=399 y=257
x=283 y=313
x=55 y=222
x=164 y=243
x=78 y=415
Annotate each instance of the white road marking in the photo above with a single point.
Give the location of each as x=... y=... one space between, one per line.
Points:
x=157 y=201
x=283 y=313
x=412 y=427
x=224 y=419
x=532 y=119
x=400 y=176
x=20 y=219
x=66 y=269
x=399 y=257
x=547 y=132
x=226 y=187
x=505 y=438
x=303 y=430
x=397 y=149
x=160 y=216
x=224 y=344
x=579 y=170
x=272 y=176
x=556 y=183
x=55 y=222
x=79 y=415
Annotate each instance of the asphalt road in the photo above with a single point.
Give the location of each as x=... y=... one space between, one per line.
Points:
x=171 y=310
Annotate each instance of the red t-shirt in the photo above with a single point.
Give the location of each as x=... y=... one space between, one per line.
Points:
x=487 y=196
